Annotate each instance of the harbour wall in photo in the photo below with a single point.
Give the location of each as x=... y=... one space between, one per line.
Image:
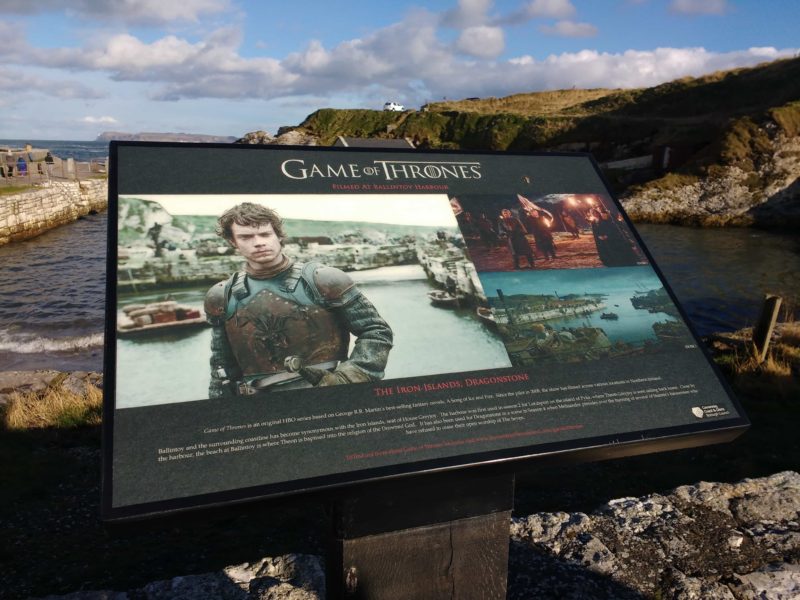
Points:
x=32 y=212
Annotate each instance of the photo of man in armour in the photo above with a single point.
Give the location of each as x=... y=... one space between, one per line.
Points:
x=284 y=324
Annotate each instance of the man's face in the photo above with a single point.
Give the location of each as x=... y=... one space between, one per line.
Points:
x=259 y=245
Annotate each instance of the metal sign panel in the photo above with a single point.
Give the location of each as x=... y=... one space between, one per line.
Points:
x=285 y=319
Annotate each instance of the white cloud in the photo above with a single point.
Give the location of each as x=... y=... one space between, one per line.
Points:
x=552 y=9
x=589 y=68
x=389 y=59
x=699 y=7
x=482 y=41
x=16 y=84
x=12 y=36
x=468 y=13
x=135 y=12
x=405 y=62
x=100 y=120
x=209 y=68
x=569 y=29
x=537 y=9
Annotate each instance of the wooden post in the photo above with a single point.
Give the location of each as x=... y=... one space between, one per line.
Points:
x=436 y=537
x=762 y=332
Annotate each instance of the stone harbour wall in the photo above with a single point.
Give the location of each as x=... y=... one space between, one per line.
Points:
x=33 y=212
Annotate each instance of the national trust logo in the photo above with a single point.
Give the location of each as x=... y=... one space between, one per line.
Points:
x=710 y=410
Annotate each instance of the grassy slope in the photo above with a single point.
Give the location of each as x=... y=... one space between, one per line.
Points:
x=718 y=115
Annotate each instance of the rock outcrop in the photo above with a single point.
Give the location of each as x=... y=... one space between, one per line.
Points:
x=730 y=195
x=256 y=137
x=711 y=541
x=150 y=136
x=288 y=577
x=28 y=214
x=287 y=136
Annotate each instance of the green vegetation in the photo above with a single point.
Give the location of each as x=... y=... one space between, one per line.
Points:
x=743 y=144
x=727 y=118
x=328 y=123
x=551 y=103
x=671 y=181
x=788 y=118
x=15 y=189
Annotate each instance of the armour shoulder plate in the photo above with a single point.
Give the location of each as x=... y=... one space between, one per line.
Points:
x=334 y=285
x=215 y=302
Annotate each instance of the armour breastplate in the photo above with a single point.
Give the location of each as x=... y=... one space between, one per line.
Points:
x=272 y=319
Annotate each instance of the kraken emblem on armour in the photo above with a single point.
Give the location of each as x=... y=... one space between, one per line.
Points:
x=270 y=334
x=270 y=327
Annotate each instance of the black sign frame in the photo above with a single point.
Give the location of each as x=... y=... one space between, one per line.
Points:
x=151 y=168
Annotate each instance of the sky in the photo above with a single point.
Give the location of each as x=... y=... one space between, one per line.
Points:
x=75 y=68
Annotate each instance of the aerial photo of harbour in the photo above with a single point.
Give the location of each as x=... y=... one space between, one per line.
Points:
x=577 y=315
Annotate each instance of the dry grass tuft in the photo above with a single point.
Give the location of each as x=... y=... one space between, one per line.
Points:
x=56 y=408
x=550 y=103
x=777 y=376
x=790 y=335
x=11 y=190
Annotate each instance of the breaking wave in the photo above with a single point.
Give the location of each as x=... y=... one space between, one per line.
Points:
x=27 y=343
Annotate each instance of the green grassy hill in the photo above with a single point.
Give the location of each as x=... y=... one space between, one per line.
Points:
x=724 y=118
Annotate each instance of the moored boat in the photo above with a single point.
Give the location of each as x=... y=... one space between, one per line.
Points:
x=610 y=315
x=166 y=316
x=486 y=316
x=443 y=298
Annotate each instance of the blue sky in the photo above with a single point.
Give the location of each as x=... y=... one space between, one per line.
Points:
x=75 y=68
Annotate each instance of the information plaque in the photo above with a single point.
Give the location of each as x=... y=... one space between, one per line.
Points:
x=286 y=319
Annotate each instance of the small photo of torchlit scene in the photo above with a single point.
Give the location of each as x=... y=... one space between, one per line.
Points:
x=580 y=315
x=557 y=231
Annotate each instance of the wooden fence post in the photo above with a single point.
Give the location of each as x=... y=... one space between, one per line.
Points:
x=762 y=332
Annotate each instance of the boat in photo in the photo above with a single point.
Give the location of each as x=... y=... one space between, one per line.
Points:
x=155 y=317
x=486 y=316
x=612 y=316
x=443 y=299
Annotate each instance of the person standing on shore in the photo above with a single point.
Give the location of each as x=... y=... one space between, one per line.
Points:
x=48 y=161
x=282 y=324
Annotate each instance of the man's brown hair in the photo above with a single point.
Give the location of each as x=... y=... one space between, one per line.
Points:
x=250 y=215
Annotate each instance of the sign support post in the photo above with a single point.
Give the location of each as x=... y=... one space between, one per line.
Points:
x=439 y=536
x=461 y=314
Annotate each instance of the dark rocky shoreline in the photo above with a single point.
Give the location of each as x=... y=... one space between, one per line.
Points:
x=709 y=540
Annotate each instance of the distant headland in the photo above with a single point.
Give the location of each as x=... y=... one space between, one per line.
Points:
x=147 y=136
